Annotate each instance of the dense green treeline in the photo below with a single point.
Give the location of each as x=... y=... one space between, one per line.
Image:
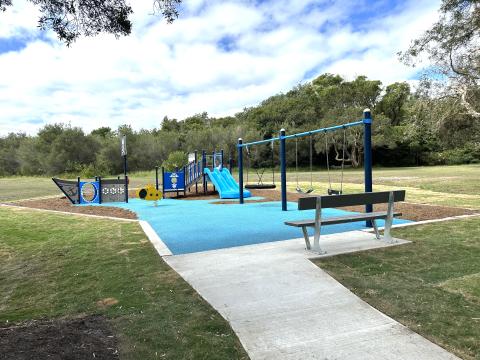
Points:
x=410 y=128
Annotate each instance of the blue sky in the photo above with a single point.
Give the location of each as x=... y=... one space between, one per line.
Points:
x=219 y=57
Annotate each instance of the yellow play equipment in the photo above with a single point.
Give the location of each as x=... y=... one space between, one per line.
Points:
x=149 y=192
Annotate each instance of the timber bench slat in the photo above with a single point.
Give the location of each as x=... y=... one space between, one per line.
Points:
x=342 y=219
x=335 y=201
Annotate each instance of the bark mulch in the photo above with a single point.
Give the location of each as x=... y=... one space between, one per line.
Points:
x=63 y=204
x=410 y=211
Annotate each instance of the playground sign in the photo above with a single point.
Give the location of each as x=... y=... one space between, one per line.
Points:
x=124 y=145
x=174 y=181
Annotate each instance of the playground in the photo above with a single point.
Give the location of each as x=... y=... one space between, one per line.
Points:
x=206 y=185
x=425 y=200
x=294 y=236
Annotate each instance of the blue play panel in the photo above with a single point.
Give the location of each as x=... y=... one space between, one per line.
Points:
x=187 y=226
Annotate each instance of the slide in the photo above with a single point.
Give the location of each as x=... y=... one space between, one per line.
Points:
x=225 y=184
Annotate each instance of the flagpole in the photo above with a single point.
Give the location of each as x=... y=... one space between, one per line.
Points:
x=124 y=154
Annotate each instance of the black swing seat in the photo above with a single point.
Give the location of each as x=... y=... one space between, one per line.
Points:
x=260 y=186
x=334 y=192
x=300 y=191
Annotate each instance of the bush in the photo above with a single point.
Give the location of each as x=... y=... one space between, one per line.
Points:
x=176 y=159
x=468 y=154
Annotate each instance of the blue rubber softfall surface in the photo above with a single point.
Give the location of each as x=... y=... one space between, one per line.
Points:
x=187 y=226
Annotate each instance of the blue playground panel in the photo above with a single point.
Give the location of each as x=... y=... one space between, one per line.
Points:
x=188 y=226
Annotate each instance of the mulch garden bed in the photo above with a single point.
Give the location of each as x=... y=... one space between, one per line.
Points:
x=410 y=211
x=63 y=204
x=83 y=338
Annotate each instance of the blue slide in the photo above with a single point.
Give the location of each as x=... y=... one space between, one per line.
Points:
x=225 y=184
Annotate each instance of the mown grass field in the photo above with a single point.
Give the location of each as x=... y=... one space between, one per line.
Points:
x=61 y=266
x=431 y=285
x=54 y=266
x=439 y=185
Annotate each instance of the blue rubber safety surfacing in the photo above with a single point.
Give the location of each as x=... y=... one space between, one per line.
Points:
x=187 y=226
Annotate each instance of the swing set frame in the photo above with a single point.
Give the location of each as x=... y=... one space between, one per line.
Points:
x=260 y=172
x=366 y=122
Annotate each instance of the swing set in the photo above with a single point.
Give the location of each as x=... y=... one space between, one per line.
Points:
x=366 y=122
x=260 y=172
x=310 y=189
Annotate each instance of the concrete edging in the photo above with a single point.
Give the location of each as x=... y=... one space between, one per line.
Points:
x=157 y=243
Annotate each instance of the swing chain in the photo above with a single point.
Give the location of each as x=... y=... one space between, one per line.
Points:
x=296 y=161
x=328 y=164
x=299 y=189
x=311 y=162
x=330 y=190
x=343 y=157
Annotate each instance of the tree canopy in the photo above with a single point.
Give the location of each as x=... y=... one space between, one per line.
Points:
x=452 y=45
x=409 y=128
x=75 y=18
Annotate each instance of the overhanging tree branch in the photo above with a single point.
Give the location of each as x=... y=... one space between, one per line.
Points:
x=71 y=19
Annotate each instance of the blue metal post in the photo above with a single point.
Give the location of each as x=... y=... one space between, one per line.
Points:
x=184 y=181
x=126 y=188
x=283 y=169
x=367 y=150
x=79 y=191
x=240 y=169
x=195 y=170
x=221 y=159
x=163 y=182
x=204 y=165
x=99 y=189
x=156 y=177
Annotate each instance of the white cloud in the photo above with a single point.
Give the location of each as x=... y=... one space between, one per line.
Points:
x=182 y=69
x=19 y=20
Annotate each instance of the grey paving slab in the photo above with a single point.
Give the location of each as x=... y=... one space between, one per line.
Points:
x=282 y=306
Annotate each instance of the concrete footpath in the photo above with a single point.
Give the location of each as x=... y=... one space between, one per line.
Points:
x=283 y=307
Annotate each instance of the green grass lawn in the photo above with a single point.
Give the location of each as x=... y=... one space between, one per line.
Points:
x=55 y=266
x=432 y=285
x=25 y=187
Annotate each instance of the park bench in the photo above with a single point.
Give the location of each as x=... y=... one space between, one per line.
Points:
x=335 y=201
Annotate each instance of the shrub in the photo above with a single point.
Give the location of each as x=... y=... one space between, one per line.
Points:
x=468 y=154
x=176 y=159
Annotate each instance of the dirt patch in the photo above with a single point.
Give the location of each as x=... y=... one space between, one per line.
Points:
x=63 y=204
x=85 y=338
x=107 y=302
x=194 y=194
